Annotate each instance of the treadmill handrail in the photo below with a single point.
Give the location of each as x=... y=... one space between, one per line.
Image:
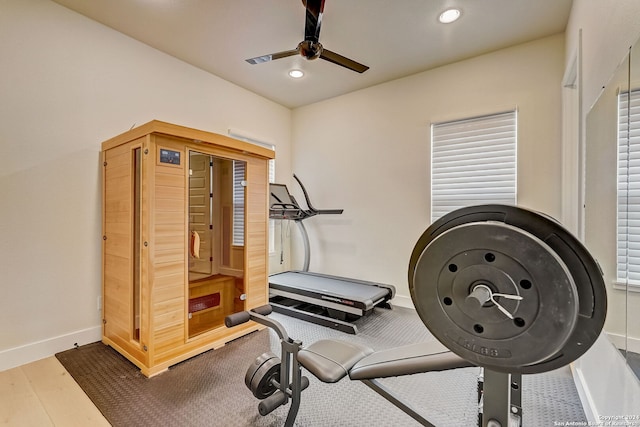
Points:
x=329 y=211
x=293 y=211
x=312 y=211
x=306 y=195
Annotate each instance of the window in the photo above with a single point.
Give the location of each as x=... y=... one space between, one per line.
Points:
x=473 y=162
x=238 y=204
x=238 y=213
x=629 y=188
x=272 y=223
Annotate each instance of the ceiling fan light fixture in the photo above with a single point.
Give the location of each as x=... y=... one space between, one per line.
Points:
x=296 y=74
x=449 y=16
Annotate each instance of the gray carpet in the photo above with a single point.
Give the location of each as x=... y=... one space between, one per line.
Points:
x=209 y=390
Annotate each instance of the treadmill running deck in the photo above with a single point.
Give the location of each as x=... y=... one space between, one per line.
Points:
x=364 y=295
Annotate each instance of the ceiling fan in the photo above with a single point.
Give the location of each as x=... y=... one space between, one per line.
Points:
x=310 y=47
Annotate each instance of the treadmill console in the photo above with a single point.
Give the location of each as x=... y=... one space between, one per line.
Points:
x=282 y=205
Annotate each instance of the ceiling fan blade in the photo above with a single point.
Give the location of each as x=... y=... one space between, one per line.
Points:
x=272 y=56
x=313 y=22
x=337 y=59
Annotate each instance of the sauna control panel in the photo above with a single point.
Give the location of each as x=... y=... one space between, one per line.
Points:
x=169 y=156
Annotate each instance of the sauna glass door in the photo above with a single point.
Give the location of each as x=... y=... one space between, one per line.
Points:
x=201 y=216
x=216 y=240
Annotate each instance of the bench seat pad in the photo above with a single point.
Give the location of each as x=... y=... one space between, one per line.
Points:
x=407 y=360
x=330 y=360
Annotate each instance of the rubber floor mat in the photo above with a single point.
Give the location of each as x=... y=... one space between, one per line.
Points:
x=209 y=390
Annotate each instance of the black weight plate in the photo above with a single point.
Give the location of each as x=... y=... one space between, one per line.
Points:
x=259 y=375
x=262 y=385
x=255 y=366
x=536 y=326
x=584 y=273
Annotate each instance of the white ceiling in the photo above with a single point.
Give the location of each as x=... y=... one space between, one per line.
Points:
x=395 y=38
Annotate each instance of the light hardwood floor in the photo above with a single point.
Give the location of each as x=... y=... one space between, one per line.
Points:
x=43 y=394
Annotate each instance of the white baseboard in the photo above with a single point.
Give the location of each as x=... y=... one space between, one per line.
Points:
x=402 y=301
x=621 y=342
x=582 y=387
x=17 y=356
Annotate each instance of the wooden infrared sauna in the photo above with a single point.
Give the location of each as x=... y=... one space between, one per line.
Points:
x=184 y=241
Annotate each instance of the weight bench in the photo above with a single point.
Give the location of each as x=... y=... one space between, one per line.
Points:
x=331 y=360
x=500 y=287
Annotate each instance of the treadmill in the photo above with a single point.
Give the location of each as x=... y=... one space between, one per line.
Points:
x=326 y=300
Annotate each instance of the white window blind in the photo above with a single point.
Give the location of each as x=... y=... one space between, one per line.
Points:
x=473 y=161
x=272 y=223
x=629 y=188
x=238 y=202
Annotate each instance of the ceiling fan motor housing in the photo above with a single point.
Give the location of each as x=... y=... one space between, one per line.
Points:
x=310 y=49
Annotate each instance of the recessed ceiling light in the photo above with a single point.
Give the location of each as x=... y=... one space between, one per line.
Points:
x=296 y=74
x=449 y=15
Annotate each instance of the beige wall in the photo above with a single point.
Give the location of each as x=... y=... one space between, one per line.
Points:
x=368 y=152
x=608 y=30
x=66 y=84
